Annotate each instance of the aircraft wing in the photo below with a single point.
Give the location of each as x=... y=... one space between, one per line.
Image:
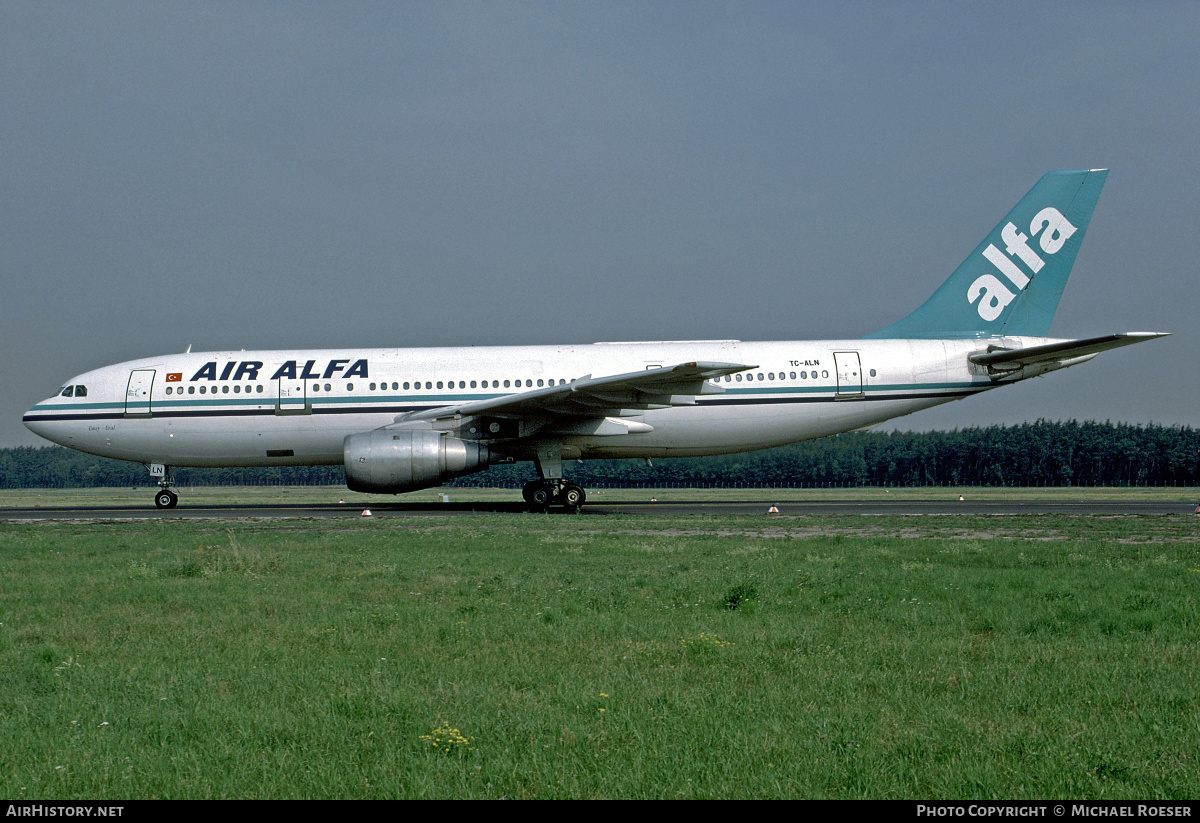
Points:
x=593 y=397
x=1005 y=359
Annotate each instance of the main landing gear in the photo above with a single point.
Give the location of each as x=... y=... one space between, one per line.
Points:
x=542 y=494
x=551 y=489
x=164 y=498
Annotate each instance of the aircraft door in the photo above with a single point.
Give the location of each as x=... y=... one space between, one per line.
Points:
x=293 y=396
x=137 y=394
x=849 y=374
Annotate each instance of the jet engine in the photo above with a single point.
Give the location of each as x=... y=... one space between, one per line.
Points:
x=384 y=461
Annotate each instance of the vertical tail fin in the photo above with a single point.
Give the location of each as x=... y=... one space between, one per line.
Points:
x=1011 y=283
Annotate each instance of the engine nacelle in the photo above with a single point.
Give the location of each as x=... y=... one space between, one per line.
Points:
x=391 y=462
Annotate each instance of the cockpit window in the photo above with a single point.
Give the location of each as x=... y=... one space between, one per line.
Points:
x=69 y=391
x=81 y=391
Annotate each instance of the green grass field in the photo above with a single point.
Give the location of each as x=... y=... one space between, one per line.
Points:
x=227 y=495
x=621 y=656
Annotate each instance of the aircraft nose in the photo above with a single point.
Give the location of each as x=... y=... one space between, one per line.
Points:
x=36 y=424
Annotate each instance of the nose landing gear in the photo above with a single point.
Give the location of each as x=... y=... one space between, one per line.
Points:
x=164 y=498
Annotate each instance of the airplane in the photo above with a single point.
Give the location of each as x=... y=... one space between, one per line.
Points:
x=406 y=419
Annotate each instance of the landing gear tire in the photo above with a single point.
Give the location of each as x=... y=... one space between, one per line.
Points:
x=527 y=490
x=166 y=499
x=572 y=496
x=540 y=496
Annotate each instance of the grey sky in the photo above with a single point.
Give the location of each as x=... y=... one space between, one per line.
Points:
x=270 y=175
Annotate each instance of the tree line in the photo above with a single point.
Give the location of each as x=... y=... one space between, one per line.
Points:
x=1031 y=454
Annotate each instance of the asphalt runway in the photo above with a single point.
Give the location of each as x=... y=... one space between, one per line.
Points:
x=757 y=506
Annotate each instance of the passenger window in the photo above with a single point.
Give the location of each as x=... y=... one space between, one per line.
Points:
x=872 y=372
x=506 y=384
x=738 y=378
x=326 y=387
x=203 y=389
x=225 y=389
x=823 y=373
x=439 y=384
x=192 y=389
x=349 y=387
x=258 y=389
x=793 y=375
x=372 y=387
x=472 y=384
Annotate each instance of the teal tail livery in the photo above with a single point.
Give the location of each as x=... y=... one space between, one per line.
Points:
x=399 y=420
x=1010 y=285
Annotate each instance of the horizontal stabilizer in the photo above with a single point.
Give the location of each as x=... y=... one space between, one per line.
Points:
x=1003 y=359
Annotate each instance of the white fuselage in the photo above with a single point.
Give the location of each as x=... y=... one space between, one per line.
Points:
x=263 y=408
